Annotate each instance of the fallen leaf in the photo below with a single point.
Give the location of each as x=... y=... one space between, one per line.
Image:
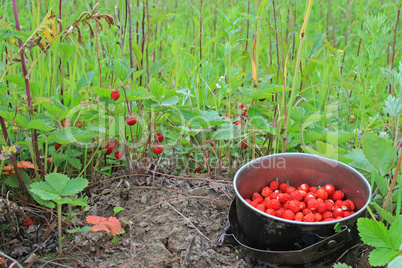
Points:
x=109 y=225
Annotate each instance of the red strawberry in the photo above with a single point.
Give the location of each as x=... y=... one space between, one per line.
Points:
x=274 y=185
x=330 y=204
x=322 y=208
x=275 y=194
x=289 y=215
x=304 y=187
x=131 y=120
x=197 y=170
x=347 y=213
x=266 y=191
x=159 y=137
x=212 y=143
x=338 y=212
x=313 y=189
x=271 y=211
x=158 y=149
x=309 y=217
x=350 y=205
x=245 y=112
x=261 y=207
x=312 y=204
x=327 y=215
x=317 y=217
x=338 y=195
x=262 y=99
x=252 y=203
x=274 y=203
x=309 y=196
x=244 y=145
x=241 y=106
x=279 y=212
x=238 y=123
x=302 y=205
x=115 y=95
x=28 y=223
x=296 y=195
x=306 y=211
x=283 y=197
x=108 y=150
x=299 y=216
x=290 y=190
x=283 y=187
x=304 y=193
x=329 y=188
x=294 y=206
x=322 y=193
x=57 y=146
x=257 y=198
x=118 y=155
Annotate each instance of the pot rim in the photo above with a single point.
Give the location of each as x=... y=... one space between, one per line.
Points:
x=321 y=158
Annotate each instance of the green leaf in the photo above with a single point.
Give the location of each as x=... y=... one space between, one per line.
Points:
x=386 y=215
x=39 y=125
x=138 y=94
x=298 y=115
x=12 y=180
x=359 y=160
x=40 y=201
x=170 y=101
x=395 y=233
x=115 y=239
x=156 y=89
x=379 y=152
x=393 y=106
x=74 y=186
x=121 y=69
x=85 y=80
x=341 y=265
x=257 y=118
x=117 y=209
x=80 y=230
x=76 y=163
x=317 y=42
x=373 y=233
x=65 y=51
x=381 y=182
x=381 y=256
x=224 y=134
x=45 y=195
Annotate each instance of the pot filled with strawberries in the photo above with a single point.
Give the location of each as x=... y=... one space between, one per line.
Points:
x=297 y=209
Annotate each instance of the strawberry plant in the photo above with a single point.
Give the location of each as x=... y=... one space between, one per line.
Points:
x=58 y=190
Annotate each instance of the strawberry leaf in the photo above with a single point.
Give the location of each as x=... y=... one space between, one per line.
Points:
x=395 y=234
x=373 y=233
x=381 y=256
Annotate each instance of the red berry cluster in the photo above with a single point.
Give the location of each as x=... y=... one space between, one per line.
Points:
x=307 y=204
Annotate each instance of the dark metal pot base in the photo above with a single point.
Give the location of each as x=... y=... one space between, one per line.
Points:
x=324 y=253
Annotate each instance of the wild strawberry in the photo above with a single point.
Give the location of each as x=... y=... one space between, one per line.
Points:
x=131 y=120
x=330 y=204
x=321 y=208
x=279 y=212
x=290 y=190
x=304 y=187
x=283 y=187
x=304 y=193
x=299 y=216
x=274 y=185
x=245 y=112
x=338 y=195
x=28 y=223
x=262 y=99
x=347 y=213
x=294 y=206
x=57 y=146
x=329 y=188
x=317 y=217
x=118 y=155
x=350 y=205
x=313 y=189
x=338 y=212
x=244 y=145
x=283 y=197
x=309 y=217
x=261 y=207
x=112 y=144
x=306 y=211
x=266 y=191
x=158 y=137
x=322 y=193
x=108 y=150
x=212 y=143
x=312 y=204
x=241 y=106
x=289 y=215
x=296 y=195
x=257 y=198
x=274 y=204
x=115 y=95
x=270 y=211
x=79 y=124
x=197 y=170
x=302 y=205
x=275 y=194
x=309 y=196
x=327 y=215
x=158 y=149
x=238 y=123
x=252 y=203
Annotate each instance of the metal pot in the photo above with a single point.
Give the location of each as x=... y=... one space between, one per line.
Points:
x=285 y=242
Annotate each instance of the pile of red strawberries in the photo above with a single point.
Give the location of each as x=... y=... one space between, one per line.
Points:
x=307 y=204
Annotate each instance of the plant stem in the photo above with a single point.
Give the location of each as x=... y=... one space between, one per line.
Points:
x=200 y=33
x=393 y=182
x=59 y=223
